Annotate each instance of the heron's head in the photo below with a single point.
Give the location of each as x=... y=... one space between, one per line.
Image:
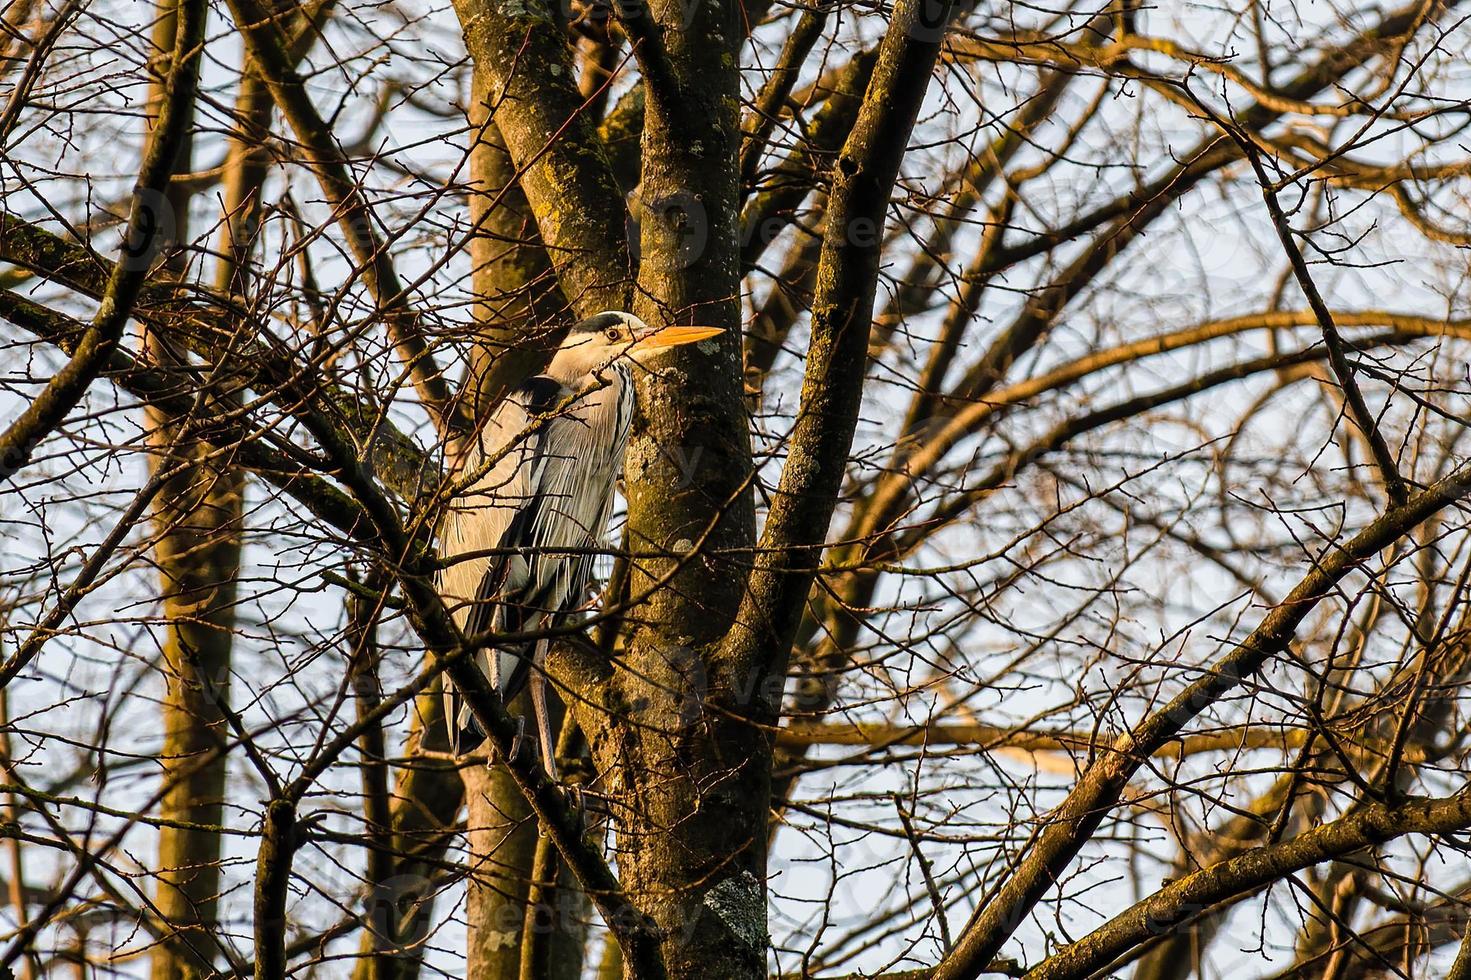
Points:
x=600 y=340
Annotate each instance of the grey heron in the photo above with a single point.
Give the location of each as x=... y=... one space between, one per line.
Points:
x=515 y=548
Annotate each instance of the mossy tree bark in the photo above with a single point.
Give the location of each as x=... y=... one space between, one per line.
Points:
x=691 y=775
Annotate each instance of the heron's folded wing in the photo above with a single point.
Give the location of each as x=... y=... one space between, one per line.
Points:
x=477 y=571
x=579 y=453
x=475 y=567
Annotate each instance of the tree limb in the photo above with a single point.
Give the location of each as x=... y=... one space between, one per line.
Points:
x=842 y=316
x=1186 y=899
x=1074 y=821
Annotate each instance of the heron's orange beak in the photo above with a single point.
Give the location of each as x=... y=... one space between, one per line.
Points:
x=676 y=337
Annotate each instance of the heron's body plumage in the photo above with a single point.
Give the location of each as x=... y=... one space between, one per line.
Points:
x=517 y=543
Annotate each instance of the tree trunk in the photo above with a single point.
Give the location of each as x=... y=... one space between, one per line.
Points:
x=693 y=775
x=196 y=519
x=502 y=838
x=426 y=797
x=198 y=553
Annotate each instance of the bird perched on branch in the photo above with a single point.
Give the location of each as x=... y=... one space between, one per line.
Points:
x=516 y=548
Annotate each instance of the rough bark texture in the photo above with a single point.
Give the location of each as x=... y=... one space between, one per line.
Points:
x=842 y=318
x=692 y=776
x=518 y=308
x=965 y=245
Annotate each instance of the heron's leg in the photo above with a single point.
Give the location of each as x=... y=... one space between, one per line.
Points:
x=516 y=743
x=572 y=793
x=539 y=708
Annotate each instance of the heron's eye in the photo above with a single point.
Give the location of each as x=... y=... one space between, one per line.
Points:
x=613 y=335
